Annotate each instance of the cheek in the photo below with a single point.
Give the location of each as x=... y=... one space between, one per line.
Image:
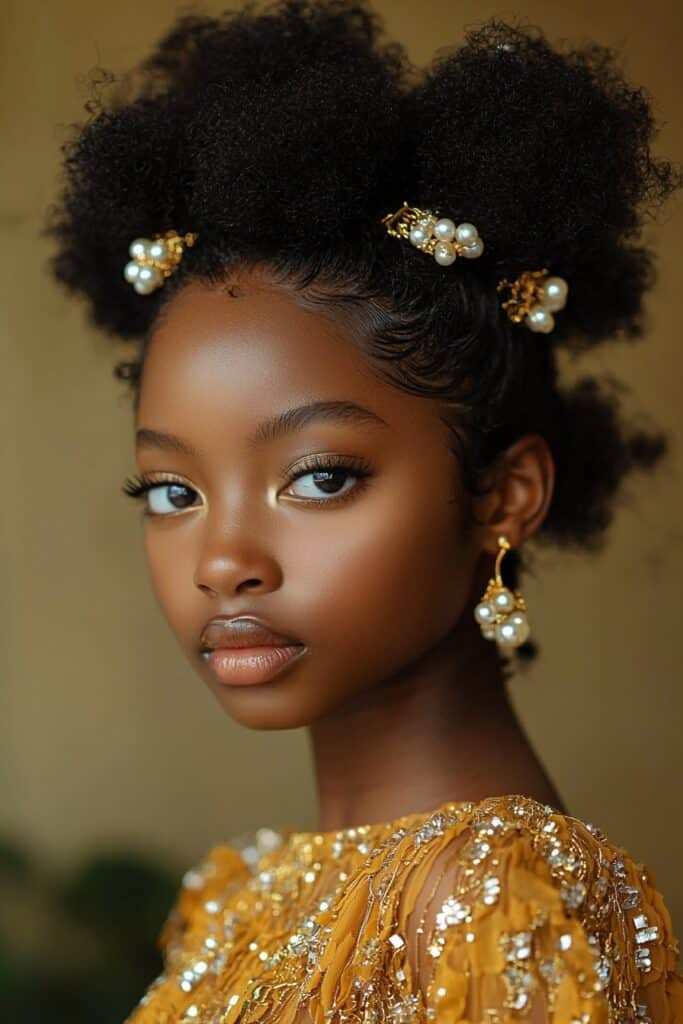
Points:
x=169 y=571
x=395 y=579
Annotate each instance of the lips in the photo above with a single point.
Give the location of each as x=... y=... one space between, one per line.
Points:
x=242 y=631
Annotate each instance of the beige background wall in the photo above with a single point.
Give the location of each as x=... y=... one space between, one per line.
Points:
x=105 y=733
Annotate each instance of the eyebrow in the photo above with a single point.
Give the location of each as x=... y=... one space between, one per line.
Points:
x=274 y=427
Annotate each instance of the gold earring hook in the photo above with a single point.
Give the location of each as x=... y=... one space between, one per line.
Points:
x=504 y=546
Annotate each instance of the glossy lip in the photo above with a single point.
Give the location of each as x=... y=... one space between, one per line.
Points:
x=242 y=631
x=247 y=666
x=244 y=649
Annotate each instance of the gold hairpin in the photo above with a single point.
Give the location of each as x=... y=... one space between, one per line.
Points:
x=534 y=296
x=441 y=237
x=155 y=259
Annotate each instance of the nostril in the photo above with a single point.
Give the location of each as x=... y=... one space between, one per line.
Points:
x=250 y=583
x=206 y=589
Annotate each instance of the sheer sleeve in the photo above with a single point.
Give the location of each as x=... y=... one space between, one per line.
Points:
x=544 y=922
x=661 y=990
x=203 y=883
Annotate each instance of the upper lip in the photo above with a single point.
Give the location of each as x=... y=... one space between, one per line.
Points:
x=241 y=631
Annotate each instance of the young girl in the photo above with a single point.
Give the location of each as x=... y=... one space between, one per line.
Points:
x=349 y=281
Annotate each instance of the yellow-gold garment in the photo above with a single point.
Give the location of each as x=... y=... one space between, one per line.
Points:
x=494 y=912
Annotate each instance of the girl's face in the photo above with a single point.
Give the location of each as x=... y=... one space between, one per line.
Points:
x=371 y=567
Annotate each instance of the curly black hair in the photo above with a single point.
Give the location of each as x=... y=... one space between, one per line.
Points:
x=283 y=136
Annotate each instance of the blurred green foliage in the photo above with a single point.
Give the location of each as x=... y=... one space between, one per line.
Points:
x=80 y=946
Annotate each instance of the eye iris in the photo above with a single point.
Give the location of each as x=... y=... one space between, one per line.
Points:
x=325 y=479
x=179 y=491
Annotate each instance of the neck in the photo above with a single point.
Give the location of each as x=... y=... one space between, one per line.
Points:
x=443 y=730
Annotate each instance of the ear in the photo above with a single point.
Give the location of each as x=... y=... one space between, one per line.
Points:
x=519 y=489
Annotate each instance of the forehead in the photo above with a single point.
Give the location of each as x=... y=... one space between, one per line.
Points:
x=222 y=353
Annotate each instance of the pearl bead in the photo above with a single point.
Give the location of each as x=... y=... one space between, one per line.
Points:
x=151 y=274
x=418 y=234
x=472 y=252
x=444 y=230
x=540 y=319
x=131 y=271
x=444 y=253
x=466 y=234
x=148 y=279
x=504 y=600
x=553 y=293
x=143 y=287
x=138 y=248
x=488 y=632
x=484 y=613
x=507 y=633
x=521 y=623
x=157 y=250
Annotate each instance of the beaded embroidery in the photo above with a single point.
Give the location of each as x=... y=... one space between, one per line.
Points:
x=286 y=927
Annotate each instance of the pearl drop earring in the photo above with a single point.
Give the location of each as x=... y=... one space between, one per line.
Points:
x=501 y=613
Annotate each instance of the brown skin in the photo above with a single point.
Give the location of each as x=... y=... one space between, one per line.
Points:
x=403 y=698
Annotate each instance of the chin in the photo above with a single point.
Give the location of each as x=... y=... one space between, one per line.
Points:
x=266 y=714
x=269 y=706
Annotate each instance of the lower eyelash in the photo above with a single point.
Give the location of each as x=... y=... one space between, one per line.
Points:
x=337 y=499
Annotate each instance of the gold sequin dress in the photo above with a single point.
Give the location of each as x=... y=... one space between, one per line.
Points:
x=494 y=912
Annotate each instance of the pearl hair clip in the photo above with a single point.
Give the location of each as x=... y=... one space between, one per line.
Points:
x=440 y=237
x=533 y=296
x=155 y=259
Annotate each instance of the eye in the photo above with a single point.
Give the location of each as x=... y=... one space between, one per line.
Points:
x=165 y=496
x=326 y=479
x=320 y=480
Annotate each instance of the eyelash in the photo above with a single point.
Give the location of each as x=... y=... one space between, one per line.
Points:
x=138 y=486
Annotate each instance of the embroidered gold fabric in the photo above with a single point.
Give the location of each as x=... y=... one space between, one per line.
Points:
x=494 y=912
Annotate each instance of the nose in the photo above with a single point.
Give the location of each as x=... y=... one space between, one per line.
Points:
x=236 y=559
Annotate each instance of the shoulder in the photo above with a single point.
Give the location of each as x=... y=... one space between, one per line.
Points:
x=520 y=909
x=224 y=868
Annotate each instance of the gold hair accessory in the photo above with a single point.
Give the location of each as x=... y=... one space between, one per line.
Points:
x=501 y=613
x=440 y=237
x=534 y=297
x=155 y=259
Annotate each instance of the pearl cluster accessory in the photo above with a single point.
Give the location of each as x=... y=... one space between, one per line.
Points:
x=440 y=237
x=501 y=613
x=534 y=297
x=155 y=259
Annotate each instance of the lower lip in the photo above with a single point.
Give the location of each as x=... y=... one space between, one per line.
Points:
x=242 y=666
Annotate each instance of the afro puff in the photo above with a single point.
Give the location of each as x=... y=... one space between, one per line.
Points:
x=283 y=135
